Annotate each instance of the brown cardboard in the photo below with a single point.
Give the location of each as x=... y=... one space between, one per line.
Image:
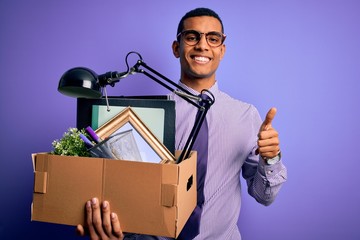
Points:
x=149 y=198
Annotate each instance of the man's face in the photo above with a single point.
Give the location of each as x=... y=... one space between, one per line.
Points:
x=201 y=60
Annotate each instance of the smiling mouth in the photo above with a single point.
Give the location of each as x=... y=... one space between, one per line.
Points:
x=201 y=59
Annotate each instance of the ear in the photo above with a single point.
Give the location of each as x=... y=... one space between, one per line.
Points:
x=176 y=49
x=223 y=50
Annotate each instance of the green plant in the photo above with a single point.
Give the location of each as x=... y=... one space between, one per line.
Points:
x=71 y=144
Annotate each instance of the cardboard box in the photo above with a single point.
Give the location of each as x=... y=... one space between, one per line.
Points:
x=149 y=198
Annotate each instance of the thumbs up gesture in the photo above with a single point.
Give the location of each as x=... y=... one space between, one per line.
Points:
x=268 y=137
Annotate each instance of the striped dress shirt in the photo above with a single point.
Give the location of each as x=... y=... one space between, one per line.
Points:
x=233 y=127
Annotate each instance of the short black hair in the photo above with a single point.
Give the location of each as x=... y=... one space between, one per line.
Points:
x=198 y=12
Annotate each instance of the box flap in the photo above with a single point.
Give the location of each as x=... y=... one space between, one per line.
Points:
x=187 y=191
x=168 y=194
x=33 y=160
x=40 y=174
x=40 y=179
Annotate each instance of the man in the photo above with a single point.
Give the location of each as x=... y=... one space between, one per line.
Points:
x=237 y=139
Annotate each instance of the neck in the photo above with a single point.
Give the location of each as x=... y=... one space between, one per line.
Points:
x=198 y=84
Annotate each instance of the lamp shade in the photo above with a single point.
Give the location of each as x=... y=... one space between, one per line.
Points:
x=80 y=82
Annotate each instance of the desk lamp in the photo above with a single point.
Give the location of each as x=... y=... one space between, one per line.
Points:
x=81 y=82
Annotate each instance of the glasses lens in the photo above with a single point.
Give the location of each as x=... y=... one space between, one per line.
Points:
x=214 y=39
x=192 y=37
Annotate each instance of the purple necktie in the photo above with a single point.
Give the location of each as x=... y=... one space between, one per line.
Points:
x=192 y=226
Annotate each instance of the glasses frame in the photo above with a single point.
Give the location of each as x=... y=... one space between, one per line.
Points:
x=200 y=34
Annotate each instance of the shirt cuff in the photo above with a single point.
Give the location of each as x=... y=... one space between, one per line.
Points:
x=272 y=161
x=270 y=170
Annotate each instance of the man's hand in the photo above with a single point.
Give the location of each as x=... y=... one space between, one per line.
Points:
x=101 y=224
x=268 y=142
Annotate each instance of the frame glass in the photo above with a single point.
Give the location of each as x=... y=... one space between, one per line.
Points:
x=128 y=120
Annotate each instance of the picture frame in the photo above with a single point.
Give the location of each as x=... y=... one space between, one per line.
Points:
x=129 y=119
x=162 y=125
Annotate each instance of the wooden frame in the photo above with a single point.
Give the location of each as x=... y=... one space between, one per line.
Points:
x=129 y=116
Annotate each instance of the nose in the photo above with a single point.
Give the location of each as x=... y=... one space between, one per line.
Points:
x=202 y=42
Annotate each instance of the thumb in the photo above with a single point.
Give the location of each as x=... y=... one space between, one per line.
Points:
x=268 y=119
x=80 y=230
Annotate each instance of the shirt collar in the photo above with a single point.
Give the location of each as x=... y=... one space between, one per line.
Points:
x=214 y=89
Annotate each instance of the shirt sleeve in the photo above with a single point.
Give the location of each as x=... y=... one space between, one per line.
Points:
x=263 y=181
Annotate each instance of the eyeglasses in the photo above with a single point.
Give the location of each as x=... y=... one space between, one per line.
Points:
x=192 y=37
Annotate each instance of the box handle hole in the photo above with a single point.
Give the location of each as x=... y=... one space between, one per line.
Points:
x=189 y=183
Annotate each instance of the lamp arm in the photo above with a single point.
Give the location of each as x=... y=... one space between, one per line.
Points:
x=180 y=91
x=186 y=95
x=110 y=78
x=185 y=153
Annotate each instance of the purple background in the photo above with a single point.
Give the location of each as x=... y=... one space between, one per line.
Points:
x=301 y=56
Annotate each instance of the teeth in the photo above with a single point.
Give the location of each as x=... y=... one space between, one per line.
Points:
x=201 y=59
